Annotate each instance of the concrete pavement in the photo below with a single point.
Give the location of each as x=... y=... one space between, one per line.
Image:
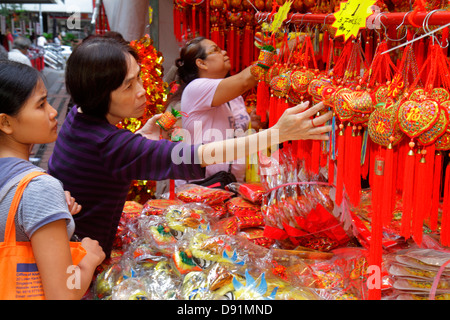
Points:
x=59 y=99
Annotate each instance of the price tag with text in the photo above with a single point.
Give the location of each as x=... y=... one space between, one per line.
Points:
x=351 y=17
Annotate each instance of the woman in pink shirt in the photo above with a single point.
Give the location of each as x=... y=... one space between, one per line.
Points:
x=213 y=102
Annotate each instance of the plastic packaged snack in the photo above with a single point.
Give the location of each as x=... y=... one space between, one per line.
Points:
x=156 y=232
x=220 y=210
x=180 y=218
x=157 y=206
x=416 y=285
x=162 y=283
x=256 y=235
x=107 y=280
x=253 y=192
x=195 y=286
x=239 y=204
x=226 y=226
x=260 y=287
x=200 y=194
x=247 y=214
x=126 y=229
x=130 y=289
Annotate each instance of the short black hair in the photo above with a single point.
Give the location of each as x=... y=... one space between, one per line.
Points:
x=186 y=63
x=95 y=68
x=17 y=82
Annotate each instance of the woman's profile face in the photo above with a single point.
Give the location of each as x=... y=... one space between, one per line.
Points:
x=217 y=62
x=128 y=101
x=36 y=121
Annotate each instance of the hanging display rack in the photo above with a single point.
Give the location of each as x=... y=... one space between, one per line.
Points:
x=387 y=19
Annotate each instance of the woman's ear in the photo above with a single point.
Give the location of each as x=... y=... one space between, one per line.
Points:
x=5 y=125
x=201 y=64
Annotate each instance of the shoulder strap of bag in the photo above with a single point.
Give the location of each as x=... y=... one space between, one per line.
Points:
x=12 y=182
x=10 y=229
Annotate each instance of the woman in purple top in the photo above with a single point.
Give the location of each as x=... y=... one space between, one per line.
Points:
x=96 y=161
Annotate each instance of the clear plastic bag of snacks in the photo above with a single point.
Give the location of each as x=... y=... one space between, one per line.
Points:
x=156 y=232
x=298 y=212
x=105 y=281
x=200 y=194
x=155 y=283
x=126 y=229
x=180 y=218
x=130 y=289
x=247 y=214
x=157 y=206
x=256 y=235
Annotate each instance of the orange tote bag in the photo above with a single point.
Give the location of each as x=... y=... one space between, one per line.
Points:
x=19 y=276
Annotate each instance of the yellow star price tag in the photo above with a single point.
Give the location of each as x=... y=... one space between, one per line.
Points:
x=351 y=17
x=280 y=16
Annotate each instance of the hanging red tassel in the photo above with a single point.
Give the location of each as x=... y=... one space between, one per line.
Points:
x=246 y=56
x=428 y=180
x=418 y=213
x=331 y=164
x=340 y=165
x=262 y=99
x=300 y=149
x=403 y=149
x=436 y=195
x=273 y=102
x=237 y=47
x=283 y=105
x=215 y=34
x=388 y=189
x=325 y=46
x=366 y=163
x=445 y=220
x=376 y=247
x=368 y=48
x=395 y=175
x=176 y=22
x=315 y=157
x=348 y=147
x=231 y=46
x=354 y=159
x=444 y=41
x=193 y=24
x=201 y=23
x=306 y=154
x=408 y=192
x=184 y=22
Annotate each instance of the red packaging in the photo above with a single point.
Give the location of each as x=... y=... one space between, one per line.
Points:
x=226 y=226
x=256 y=235
x=247 y=214
x=157 y=206
x=209 y=196
x=252 y=192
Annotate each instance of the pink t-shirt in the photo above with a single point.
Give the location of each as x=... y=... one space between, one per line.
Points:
x=205 y=123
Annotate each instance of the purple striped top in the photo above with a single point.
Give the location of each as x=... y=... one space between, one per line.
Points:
x=97 y=162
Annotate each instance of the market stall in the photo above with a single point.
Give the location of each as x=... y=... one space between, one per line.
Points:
x=365 y=215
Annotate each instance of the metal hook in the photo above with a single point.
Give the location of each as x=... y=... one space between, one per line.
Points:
x=288 y=22
x=415 y=39
x=404 y=18
x=425 y=27
x=263 y=19
x=325 y=20
x=301 y=22
x=385 y=29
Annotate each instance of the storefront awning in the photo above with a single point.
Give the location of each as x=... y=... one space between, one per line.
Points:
x=30 y=1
